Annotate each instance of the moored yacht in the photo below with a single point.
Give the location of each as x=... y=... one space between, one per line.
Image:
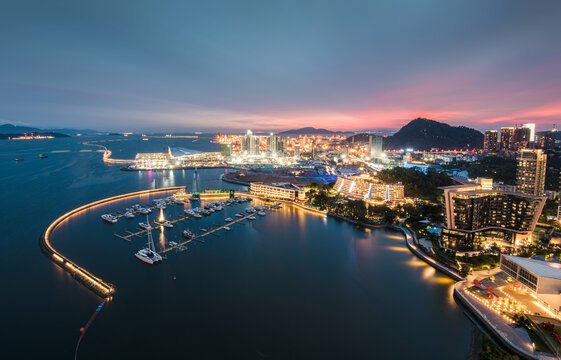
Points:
x=129 y=215
x=227 y=228
x=228 y=219
x=261 y=213
x=239 y=215
x=145 y=226
x=178 y=201
x=109 y=218
x=188 y=234
x=148 y=254
x=168 y=225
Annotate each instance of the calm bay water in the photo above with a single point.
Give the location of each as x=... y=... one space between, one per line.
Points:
x=290 y=285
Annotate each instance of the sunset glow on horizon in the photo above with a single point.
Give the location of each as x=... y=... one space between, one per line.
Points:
x=224 y=66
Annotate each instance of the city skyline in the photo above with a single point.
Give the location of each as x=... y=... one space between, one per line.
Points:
x=268 y=67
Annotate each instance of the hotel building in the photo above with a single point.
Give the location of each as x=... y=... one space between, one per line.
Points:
x=477 y=217
x=280 y=191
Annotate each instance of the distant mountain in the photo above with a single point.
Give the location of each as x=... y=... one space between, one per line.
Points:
x=16 y=129
x=425 y=134
x=311 y=131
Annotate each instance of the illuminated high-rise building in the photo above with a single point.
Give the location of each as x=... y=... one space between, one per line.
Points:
x=297 y=150
x=250 y=144
x=530 y=175
x=375 y=146
x=521 y=139
x=476 y=216
x=532 y=128
x=507 y=138
x=491 y=141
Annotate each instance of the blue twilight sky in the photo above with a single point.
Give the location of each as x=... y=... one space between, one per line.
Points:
x=159 y=65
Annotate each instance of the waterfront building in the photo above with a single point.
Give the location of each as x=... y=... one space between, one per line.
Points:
x=226 y=149
x=375 y=146
x=358 y=187
x=250 y=144
x=491 y=141
x=477 y=217
x=542 y=278
x=530 y=175
x=153 y=160
x=280 y=191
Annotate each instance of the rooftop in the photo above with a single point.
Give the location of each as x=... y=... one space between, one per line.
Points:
x=538 y=267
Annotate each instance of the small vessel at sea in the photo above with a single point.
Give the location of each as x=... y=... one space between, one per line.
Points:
x=181 y=248
x=168 y=225
x=261 y=213
x=43 y=156
x=189 y=212
x=188 y=234
x=146 y=225
x=149 y=254
x=228 y=219
x=204 y=230
x=19 y=159
x=227 y=228
x=129 y=215
x=171 y=243
x=239 y=215
x=144 y=211
x=109 y=218
x=252 y=218
x=178 y=201
x=197 y=216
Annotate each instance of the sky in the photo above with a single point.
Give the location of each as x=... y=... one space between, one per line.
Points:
x=274 y=65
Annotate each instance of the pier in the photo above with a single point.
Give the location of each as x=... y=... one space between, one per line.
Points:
x=95 y=284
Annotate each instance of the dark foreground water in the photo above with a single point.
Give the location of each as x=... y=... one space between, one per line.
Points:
x=291 y=285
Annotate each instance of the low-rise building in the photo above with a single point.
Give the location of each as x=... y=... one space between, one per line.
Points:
x=281 y=191
x=543 y=278
x=358 y=187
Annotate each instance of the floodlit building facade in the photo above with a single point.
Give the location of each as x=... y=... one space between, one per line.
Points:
x=530 y=175
x=477 y=217
x=280 y=191
x=365 y=189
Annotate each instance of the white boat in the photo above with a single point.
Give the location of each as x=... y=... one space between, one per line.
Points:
x=189 y=212
x=171 y=243
x=227 y=228
x=204 y=230
x=129 y=215
x=228 y=219
x=149 y=254
x=161 y=206
x=182 y=248
x=188 y=234
x=178 y=201
x=145 y=226
x=197 y=216
x=168 y=225
x=252 y=218
x=218 y=208
x=109 y=218
x=239 y=215
x=261 y=213
x=144 y=211
x=250 y=210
